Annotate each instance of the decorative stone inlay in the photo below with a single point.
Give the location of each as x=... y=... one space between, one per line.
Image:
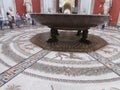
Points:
x=13 y=87
x=59 y=63
x=68 y=42
x=20 y=67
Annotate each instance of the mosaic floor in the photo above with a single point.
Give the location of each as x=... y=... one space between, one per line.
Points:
x=25 y=66
x=68 y=42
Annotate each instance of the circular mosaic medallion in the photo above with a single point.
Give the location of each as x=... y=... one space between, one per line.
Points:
x=74 y=65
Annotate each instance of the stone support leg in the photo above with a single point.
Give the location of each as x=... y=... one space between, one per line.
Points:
x=54 y=33
x=79 y=32
x=84 y=37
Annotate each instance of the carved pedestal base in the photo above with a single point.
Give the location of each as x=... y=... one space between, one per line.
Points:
x=54 y=33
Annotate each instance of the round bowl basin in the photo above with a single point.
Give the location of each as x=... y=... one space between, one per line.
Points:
x=70 y=21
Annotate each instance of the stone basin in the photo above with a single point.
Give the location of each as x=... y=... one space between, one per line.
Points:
x=78 y=22
x=70 y=21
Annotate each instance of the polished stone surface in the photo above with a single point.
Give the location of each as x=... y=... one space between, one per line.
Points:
x=70 y=21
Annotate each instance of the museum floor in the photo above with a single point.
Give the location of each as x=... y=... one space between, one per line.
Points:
x=25 y=66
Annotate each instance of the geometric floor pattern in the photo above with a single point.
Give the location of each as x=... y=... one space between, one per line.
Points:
x=25 y=66
x=68 y=42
